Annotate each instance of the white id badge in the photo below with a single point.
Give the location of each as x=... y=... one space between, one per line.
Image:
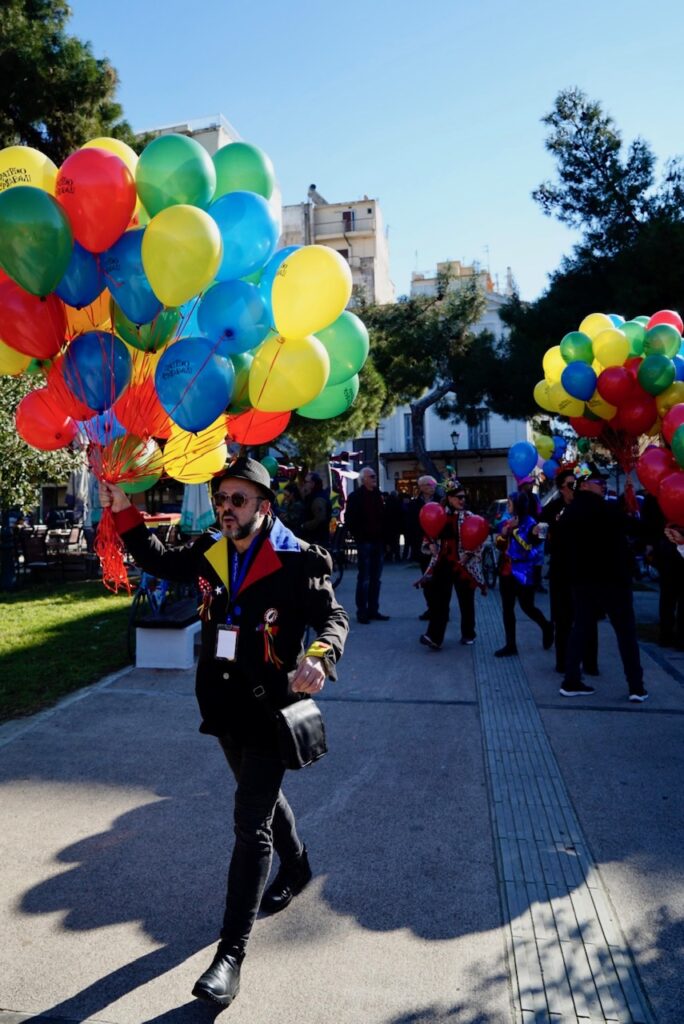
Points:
x=226 y=642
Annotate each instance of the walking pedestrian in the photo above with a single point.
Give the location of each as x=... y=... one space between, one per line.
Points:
x=600 y=572
x=261 y=588
x=428 y=490
x=520 y=545
x=455 y=567
x=315 y=527
x=364 y=518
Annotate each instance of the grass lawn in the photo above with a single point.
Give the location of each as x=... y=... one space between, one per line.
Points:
x=55 y=638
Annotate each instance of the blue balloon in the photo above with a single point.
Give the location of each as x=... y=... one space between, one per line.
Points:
x=679 y=367
x=189 y=326
x=83 y=280
x=550 y=468
x=617 y=319
x=97 y=367
x=233 y=314
x=193 y=383
x=269 y=272
x=249 y=233
x=522 y=458
x=579 y=380
x=127 y=279
x=102 y=429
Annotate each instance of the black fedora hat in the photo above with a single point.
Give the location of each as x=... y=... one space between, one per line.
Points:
x=249 y=469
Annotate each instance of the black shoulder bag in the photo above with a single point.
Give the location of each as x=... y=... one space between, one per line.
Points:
x=300 y=728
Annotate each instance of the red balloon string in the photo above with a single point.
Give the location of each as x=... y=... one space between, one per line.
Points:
x=110 y=550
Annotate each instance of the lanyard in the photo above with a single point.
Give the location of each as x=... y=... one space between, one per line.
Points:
x=239 y=567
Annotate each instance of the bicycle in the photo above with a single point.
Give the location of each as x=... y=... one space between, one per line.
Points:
x=489 y=563
x=149 y=598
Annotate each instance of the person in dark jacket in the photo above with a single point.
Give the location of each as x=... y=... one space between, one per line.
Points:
x=261 y=586
x=559 y=577
x=315 y=526
x=365 y=520
x=599 y=561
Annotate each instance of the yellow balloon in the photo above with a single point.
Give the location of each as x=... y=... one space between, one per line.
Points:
x=124 y=153
x=95 y=317
x=674 y=395
x=611 y=347
x=287 y=373
x=181 y=252
x=189 y=463
x=22 y=165
x=599 y=407
x=553 y=364
x=655 y=430
x=544 y=446
x=595 y=323
x=143 y=364
x=310 y=290
x=11 y=361
x=541 y=395
x=597 y=368
x=564 y=403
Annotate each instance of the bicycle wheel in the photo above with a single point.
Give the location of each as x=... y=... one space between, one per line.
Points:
x=489 y=568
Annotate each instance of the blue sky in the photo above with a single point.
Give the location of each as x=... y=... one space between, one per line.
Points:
x=433 y=109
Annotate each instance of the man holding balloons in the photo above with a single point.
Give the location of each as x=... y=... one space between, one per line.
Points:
x=261 y=587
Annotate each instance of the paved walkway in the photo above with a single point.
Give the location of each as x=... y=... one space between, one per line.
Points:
x=484 y=851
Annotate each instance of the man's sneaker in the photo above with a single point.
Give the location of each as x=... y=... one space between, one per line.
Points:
x=427 y=642
x=576 y=690
x=467 y=641
x=639 y=696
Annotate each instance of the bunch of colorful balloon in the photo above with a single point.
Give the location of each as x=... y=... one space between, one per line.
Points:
x=619 y=381
x=151 y=292
x=546 y=454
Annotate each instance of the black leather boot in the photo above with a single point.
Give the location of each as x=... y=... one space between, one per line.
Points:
x=288 y=882
x=220 y=983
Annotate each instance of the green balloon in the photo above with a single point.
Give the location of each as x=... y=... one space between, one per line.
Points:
x=241 y=167
x=635 y=334
x=583 y=445
x=678 y=445
x=663 y=339
x=35 y=239
x=656 y=373
x=576 y=347
x=643 y=320
x=146 y=337
x=174 y=169
x=239 y=401
x=346 y=342
x=138 y=462
x=270 y=465
x=332 y=401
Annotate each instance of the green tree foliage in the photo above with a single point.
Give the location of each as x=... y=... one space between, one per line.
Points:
x=22 y=468
x=54 y=94
x=629 y=259
x=313 y=441
x=428 y=354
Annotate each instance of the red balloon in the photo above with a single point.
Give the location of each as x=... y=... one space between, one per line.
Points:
x=616 y=384
x=97 y=193
x=474 y=531
x=653 y=466
x=632 y=364
x=62 y=395
x=432 y=519
x=31 y=325
x=141 y=413
x=671 y=420
x=671 y=497
x=584 y=427
x=253 y=427
x=637 y=415
x=42 y=424
x=666 y=316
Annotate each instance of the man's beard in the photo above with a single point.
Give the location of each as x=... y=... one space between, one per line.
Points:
x=239 y=532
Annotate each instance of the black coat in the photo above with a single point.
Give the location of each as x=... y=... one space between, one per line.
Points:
x=287 y=588
x=593 y=536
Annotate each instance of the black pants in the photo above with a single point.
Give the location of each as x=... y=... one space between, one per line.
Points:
x=370 y=557
x=562 y=615
x=512 y=589
x=438 y=597
x=263 y=822
x=616 y=602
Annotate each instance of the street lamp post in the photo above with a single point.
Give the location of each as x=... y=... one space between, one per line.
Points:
x=454 y=444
